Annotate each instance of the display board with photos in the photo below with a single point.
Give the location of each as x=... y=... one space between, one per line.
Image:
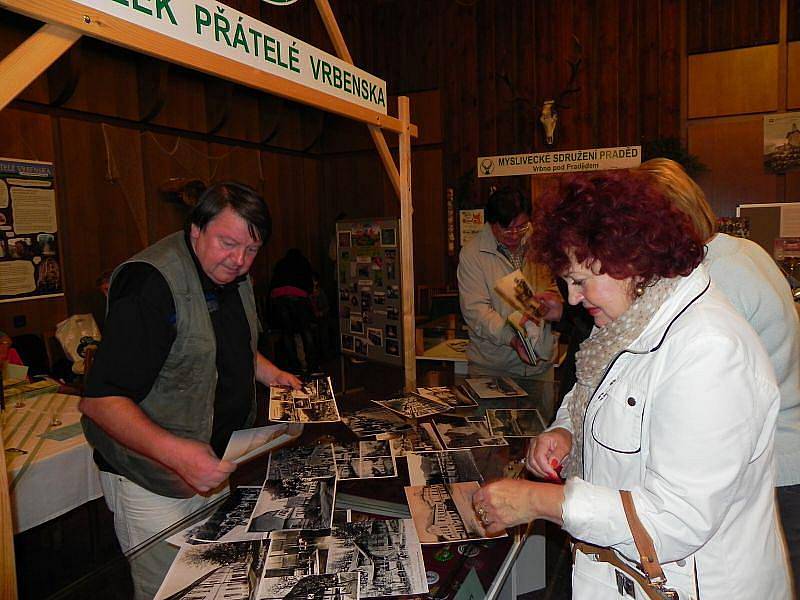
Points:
x=368 y=275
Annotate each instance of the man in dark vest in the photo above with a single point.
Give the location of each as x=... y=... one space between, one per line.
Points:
x=175 y=373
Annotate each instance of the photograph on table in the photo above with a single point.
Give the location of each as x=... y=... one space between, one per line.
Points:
x=364 y=459
x=495 y=387
x=313 y=403
x=515 y=422
x=466 y=433
x=386 y=552
x=229 y=522
x=328 y=586
x=455 y=466
x=450 y=396
x=292 y=556
x=308 y=462
x=414 y=406
x=443 y=512
x=294 y=503
x=418 y=440
x=378 y=423
x=234 y=568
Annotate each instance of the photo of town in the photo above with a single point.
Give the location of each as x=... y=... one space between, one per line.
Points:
x=292 y=556
x=515 y=422
x=386 y=553
x=314 y=403
x=229 y=522
x=364 y=459
x=421 y=439
x=294 y=503
x=447 y=395
x=467 y=433
x=330 y=586
x=414 y=406
x=431 y=468
x=443 y=512
x=224 y=570
x=375 y=422
x=306 y=462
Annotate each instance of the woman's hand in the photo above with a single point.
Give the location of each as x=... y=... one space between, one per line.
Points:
x=547 y=453
x=508 y=502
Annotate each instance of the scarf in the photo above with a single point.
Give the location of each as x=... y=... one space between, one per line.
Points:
x=597 y=352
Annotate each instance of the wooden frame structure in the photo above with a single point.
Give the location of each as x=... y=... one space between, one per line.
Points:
x=66 y=21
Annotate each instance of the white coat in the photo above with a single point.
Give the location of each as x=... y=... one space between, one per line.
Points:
x=685 y=419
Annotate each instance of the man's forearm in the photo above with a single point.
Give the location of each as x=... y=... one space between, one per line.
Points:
x=127 y=423
x=266 y=371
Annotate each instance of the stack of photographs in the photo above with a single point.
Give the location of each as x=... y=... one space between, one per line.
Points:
x=491 y=388
x=453 y=397
x=313 y=403
x=414 y=406
x=378 y=423
x=469 y=432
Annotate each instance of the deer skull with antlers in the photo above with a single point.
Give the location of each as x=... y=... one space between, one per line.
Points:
x=550 y=108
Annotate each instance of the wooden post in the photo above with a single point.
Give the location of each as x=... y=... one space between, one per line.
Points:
x=31 y=58
x=324 y=8
x=8 y=569
x=407 y=246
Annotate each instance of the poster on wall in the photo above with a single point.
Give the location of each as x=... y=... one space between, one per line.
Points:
x=782 y=142
x=369 y=289
x=470 y=223
x=30 y=265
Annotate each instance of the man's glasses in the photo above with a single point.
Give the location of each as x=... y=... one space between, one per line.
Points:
x=517 y=230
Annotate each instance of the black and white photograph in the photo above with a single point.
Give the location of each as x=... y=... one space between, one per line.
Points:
x=466 y=433
x=515 y=422
x=495 y=387
x=224 y=570
x=356 y=323
x=392 y=313
x=364 y=459
x=308 y=462
x=229 y=522
x=455 y=466
x=418 y=440
x=391 y=332
x=393 y=292
x=378 y=423
x=443 y=512
x=391 y=270
x=313 y=403
x=449 y=396
x=392 y=347
x=379 y=298
x=414 y=406
x=347 y=342
x=328 y=586
x=386 y=552
x=366 y=301
x=292 y=556
x=389 y=237
x=294 y=503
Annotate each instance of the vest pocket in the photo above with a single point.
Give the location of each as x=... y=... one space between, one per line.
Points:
x=617 y=423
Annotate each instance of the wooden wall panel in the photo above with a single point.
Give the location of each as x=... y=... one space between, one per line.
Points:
x=793 y=73
x=732 y=151
x=185 y=106
x=733 y=82
x=793 y=29
x=29 y=136
x=714 y=25
x=430 y=218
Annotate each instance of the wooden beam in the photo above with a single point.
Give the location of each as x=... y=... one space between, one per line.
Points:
x=8 y=569
x=407 y=247
x=342 y=52
x=117 y=31
x=31 y=58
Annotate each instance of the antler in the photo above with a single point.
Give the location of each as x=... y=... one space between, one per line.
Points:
x=574 y=68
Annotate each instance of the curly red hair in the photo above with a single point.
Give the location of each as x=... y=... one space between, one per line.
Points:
x=619 y=218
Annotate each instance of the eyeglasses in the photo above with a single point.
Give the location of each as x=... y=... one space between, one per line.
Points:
x=517 y=230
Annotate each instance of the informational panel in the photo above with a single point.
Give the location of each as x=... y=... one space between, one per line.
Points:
x=30 y=266
x=368 y=272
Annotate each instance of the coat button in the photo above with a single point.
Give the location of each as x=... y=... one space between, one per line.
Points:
x=631 y=401
x=680 y=563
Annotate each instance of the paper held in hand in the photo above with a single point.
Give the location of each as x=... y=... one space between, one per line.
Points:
x=519 y=293
x=249 y=443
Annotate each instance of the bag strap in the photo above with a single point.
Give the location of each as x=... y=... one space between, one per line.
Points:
x=644 y=543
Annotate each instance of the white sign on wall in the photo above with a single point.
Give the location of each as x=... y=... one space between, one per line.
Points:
x=563 y=161
x=227 y=32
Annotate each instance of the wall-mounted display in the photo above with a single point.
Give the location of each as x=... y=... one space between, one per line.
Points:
x=30 y=265
x=368 y=256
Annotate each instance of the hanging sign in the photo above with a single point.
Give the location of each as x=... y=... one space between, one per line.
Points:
x=227 y=32
x=29 y=259
x=563 y=161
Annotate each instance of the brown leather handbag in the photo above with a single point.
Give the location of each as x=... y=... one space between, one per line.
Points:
x=649 y=577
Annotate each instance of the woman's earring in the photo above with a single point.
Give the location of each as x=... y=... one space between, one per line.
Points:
x=639 y=289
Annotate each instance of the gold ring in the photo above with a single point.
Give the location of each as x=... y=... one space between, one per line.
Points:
x=481 y=512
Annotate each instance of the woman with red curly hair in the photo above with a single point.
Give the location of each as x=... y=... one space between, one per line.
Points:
x=675 y=402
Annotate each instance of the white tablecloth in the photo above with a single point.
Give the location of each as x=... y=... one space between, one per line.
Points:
x=54 y=476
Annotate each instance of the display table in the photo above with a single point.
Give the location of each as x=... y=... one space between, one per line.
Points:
x=445 y=340
x=49 y=462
